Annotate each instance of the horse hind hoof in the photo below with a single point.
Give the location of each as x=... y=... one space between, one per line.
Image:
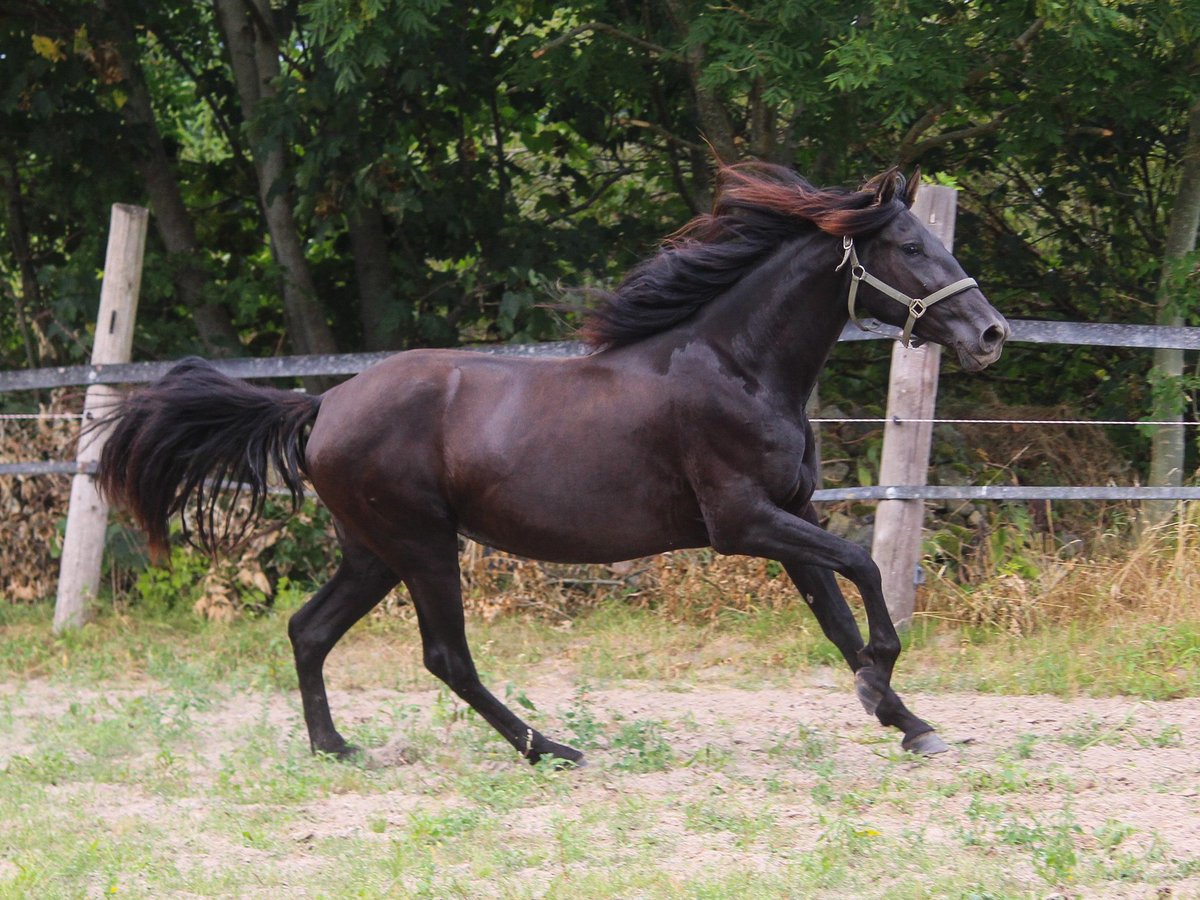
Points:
x=927 y=743
x=868 y=695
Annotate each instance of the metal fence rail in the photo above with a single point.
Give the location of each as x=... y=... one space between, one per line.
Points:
x=1024 y=331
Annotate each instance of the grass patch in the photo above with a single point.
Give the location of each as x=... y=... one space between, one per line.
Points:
x=113 y=774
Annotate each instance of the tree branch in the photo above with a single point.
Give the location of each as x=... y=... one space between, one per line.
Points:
x=611 y=31
x=910 y=153
x=1020 y=44
x=668 y=136
x=608 y=182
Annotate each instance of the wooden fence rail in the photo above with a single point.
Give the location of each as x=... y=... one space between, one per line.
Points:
x=1024 y=331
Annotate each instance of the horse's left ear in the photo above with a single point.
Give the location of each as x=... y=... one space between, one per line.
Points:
x=910 y=190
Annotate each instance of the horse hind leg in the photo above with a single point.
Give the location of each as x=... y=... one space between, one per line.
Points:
x=431 y=573
x=361 y=581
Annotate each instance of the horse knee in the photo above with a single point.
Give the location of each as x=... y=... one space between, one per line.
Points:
x=298 y=632
x=881 y=653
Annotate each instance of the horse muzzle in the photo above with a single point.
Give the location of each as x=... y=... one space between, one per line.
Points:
x=979 y=353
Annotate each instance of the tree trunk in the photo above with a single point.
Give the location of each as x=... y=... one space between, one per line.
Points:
x=1167 y=448
x=253 y=56
x=378 y=306
x=171 y=218
x=18 y=235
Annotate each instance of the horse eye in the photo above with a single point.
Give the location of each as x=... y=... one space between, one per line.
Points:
x=911 y=249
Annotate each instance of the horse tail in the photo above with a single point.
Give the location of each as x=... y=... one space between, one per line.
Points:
x=179 y=440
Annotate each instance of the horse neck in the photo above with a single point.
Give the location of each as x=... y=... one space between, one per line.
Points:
x=781 y=321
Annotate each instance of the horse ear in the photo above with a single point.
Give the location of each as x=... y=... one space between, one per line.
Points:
x=884 y=186
x=914 y=184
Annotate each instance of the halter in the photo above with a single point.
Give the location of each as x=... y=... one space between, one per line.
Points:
x=916 y=307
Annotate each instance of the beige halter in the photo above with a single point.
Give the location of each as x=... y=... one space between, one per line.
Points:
x=916 y=307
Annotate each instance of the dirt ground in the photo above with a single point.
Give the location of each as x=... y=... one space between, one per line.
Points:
x=1113 y=762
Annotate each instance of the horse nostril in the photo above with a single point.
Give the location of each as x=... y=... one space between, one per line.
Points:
x=994 y=336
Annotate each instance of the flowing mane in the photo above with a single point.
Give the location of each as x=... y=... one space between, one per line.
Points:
x=756 y=207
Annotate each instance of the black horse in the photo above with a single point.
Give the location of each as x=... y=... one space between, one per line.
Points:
x=685 y=428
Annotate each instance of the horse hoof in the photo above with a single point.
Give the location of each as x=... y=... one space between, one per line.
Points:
x=868 y=695
x=341 y=753
x=927 y=743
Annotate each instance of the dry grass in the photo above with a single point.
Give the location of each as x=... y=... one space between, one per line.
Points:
x=31 y=506
x=1156 y=575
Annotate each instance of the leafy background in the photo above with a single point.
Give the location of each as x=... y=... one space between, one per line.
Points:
x=390 y=175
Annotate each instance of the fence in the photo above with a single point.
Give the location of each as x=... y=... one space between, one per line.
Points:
x=906 y=441
x=1023 y=331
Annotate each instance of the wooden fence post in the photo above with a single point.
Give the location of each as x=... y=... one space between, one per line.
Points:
x=912 y=395
x=87 y=516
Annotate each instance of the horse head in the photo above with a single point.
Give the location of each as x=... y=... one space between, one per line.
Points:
x=906 y=278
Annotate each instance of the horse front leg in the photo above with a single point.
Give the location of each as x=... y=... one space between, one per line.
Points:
x=811 y=555
x=820 y=591
x=824 y=598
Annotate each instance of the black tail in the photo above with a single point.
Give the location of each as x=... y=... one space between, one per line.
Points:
x=178 y=440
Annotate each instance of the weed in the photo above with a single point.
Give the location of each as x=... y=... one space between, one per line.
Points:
x=1091 y=732
x=586 y=730
x=800 y=746
x=1052 y=847
x=1023 y=748
x=1167 y=736
x=642 y=747
x=709 y=816
x=711 y=757
x=48 y=767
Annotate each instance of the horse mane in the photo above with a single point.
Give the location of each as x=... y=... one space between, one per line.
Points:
x=756 y=207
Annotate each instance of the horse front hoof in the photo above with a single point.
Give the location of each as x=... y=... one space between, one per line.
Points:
x=927 y=743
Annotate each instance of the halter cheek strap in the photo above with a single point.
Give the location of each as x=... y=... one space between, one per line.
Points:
x=916 y=307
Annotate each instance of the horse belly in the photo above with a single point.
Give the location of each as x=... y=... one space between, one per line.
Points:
x=601 y=500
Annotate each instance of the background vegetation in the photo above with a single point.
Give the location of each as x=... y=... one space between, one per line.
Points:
x=335 y=176
x=331 y=176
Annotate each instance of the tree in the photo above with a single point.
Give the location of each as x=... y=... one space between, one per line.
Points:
x=252 y=31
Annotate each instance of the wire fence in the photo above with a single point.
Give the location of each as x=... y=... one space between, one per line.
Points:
x=1069 y=333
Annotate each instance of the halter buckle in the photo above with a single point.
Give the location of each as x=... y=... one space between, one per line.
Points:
x=847 y=252
x=917 y=308
x=858 y=273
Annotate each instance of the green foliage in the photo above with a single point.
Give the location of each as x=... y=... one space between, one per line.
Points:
x=174 y=586
x=449 y=165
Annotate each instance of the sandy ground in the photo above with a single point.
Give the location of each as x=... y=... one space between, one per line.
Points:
x=1109 y=761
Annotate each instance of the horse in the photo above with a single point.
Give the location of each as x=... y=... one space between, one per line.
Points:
x=684 y=427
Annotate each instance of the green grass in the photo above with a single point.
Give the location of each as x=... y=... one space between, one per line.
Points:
x=120 y=784
x=615 y=642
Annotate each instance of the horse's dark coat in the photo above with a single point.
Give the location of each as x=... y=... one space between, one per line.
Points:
x=685 y=429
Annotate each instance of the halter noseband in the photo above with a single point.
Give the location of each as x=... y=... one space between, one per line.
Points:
x=916 y=307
